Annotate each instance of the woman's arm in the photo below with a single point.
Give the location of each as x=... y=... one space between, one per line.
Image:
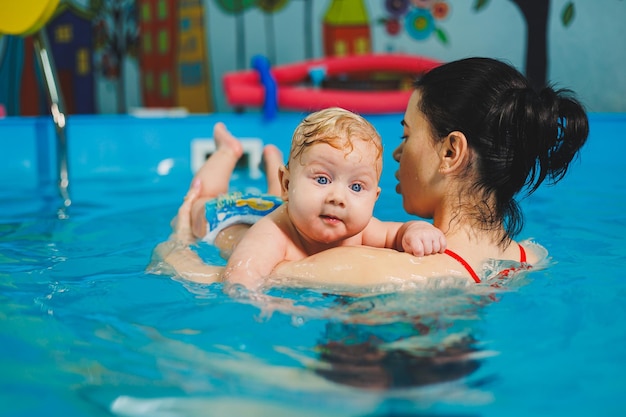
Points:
x=176 y=253
x=363 y=266
x=186 y=263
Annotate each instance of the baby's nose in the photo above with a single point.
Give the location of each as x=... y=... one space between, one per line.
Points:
x=336 y=195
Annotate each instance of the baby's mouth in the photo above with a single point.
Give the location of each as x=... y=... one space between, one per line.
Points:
x=329 y=218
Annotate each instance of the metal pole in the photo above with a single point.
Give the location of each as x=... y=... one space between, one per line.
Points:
x=57 y=109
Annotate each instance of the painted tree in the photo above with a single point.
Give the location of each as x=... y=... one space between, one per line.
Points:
x=116 y=37
x=236 y=8
x=269 y=8
x=535 y=14
x=420 y=20
x=308 y=29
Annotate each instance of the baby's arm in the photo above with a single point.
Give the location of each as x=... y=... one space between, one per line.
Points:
x=416 y=237
x=255 y=256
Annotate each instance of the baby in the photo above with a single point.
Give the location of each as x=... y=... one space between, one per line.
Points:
x=327 y=194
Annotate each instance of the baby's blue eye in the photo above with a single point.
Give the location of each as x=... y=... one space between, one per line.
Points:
x=322 y=180
x=356 y=187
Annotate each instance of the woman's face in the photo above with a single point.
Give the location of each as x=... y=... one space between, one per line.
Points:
x=418 y=175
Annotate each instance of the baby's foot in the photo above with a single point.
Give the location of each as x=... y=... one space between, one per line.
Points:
x=270 y=164
x=214 y=174
x=225 y=141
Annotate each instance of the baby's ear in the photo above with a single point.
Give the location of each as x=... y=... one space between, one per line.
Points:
x=283 y=177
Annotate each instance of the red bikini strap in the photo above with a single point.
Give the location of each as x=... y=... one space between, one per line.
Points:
x=465 y=264
x=522 y=254
x=522 y=259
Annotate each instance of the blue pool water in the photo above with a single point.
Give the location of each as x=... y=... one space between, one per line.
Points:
x=85 y=330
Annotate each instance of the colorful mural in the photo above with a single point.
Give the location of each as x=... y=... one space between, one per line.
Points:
x=157 y=60
x=71 y=42
x=536 y=15
x=346 y=29
x=173 y=57
x=419 y=18
x=95 y=40
x=116 y=37
x=193 y=86
x=237 y=8
x=70 y=39
x=112 y=55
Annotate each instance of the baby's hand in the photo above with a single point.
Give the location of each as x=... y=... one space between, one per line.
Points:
x=422 y=238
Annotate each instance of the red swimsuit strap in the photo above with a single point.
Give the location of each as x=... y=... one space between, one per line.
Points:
x=522 y=254
x=464 y=263
x=469 y=269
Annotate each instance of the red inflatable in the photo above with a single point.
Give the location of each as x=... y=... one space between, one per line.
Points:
x=294 y=90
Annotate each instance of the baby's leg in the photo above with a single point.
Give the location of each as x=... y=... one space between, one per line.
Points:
x=214 y=175
x=272 y=161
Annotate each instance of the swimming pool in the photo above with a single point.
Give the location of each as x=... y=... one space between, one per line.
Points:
x=86 y=331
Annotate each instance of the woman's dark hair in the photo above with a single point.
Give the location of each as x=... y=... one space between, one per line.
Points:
x=519 y=136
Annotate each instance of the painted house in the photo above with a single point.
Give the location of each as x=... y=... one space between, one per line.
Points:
x=12 y=57
x=157 y=57
x=30 y=98
x=70 y=42
x=173 y=55
x=346 y=29
x=193 y=87
x=70 y=36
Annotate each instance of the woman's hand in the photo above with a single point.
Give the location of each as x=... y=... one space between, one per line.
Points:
x=181 y=224
x=176 y=256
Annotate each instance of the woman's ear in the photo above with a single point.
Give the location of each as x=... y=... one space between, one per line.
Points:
x=454 y=152
x=283 y=177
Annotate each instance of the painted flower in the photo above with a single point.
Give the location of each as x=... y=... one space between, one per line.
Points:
x=392 y=26
x=397 y=8
x=440 y=10
x=419 y=24
x=422 y=4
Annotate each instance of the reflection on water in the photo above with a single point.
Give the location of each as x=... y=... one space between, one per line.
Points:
x=372 y=365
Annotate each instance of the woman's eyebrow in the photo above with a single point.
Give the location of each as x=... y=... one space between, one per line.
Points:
x=403 y=123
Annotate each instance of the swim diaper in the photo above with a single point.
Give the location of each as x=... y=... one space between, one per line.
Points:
x=237 y=208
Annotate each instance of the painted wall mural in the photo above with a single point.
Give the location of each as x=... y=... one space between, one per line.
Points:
x=116 y=35
x=419 y=18
x=536 y=14
x=115 y=55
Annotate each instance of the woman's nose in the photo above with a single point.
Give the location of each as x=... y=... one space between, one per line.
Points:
x=397 y=153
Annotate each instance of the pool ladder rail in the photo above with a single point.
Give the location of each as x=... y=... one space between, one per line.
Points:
x=26 y=18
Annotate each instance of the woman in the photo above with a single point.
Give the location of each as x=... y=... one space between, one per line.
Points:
x=475 y=135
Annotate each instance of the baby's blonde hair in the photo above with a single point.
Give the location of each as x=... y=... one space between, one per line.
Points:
x=336 y=127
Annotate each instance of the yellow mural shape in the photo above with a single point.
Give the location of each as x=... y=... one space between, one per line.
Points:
x=24 y=17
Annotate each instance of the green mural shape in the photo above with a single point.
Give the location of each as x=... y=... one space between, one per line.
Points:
x=235 y=6
x=271 y=6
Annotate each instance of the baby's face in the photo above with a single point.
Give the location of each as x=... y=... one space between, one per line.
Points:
x=332 y=192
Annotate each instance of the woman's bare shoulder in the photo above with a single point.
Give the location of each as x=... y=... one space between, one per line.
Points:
x=536 y=254
x=367 y=266
x=363 y=265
